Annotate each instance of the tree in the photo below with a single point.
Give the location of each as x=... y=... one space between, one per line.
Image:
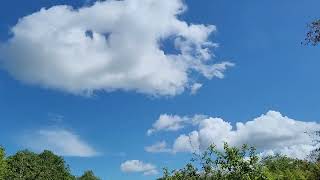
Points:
x=234 y=163
x=282 y=168
x=88 y=175
x=53 y=166
x=313 y=34
x=315 y=154
x=22 y=165
x=3 y=166
x=26 y=165
x=244 y=164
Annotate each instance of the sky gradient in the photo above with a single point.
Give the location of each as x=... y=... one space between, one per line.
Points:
x=274 y=79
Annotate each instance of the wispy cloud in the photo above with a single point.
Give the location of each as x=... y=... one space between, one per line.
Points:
x=167 y=122
x=136 y=166
x=159 y=147
x=60 y=141
x=195 y=88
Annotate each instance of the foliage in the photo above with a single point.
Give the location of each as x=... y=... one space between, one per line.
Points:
x=2 y=163
x=53 y=166
x=282 y=168
x=88 y=175
x=313 y=34
x=315 y=154
x=26 y=165
x=233 y=163
x=22 y=165
x=243 y=164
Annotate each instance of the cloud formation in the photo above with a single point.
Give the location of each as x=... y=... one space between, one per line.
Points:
x=158 y=147
x=59 y=141
x=270 y=133
x=167 y=123
x=135 y=166
x=195 y=88
x=111 y=45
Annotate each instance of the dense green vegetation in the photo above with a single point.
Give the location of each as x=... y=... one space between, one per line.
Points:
x=231 y=164
x=26 y=165
x=3 y=166
x=244 y=164
x=88 y=175
x=280 y=167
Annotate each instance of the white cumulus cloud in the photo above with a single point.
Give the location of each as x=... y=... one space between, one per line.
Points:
x=59 y=141
x=136 y=166
x=111 y=45
x=167 y=123
x=270 y=133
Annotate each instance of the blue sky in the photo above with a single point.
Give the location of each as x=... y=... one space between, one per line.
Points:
x=272 y=71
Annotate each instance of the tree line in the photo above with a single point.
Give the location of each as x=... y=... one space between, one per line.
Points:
x=232 y=163
x=245 y=164
x=27 y=165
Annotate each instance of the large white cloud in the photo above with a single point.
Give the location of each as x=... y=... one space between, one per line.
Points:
x=271 y=133
x=59 y=141
x=134 y=166
x=109 y=46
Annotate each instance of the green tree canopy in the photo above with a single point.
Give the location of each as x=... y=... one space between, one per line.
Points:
x=2 y=163
x=26 y=165
x=282 y=168
x=244 y=164
x=88 y=175
x=233 y=163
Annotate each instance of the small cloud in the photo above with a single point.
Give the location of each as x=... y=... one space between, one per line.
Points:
x=167 y=123
x=159 y=147
x=136 y=166
x=195 y=87
x=151 y=172
x=59 y=141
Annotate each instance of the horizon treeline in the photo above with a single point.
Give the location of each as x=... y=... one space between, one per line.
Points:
x=27 y=165
x=244 y=163
x=233 y=163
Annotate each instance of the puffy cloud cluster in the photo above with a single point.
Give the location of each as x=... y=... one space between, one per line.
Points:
x=271 y=133
x=111 y=45
x=138 y=166
x=59 y=141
